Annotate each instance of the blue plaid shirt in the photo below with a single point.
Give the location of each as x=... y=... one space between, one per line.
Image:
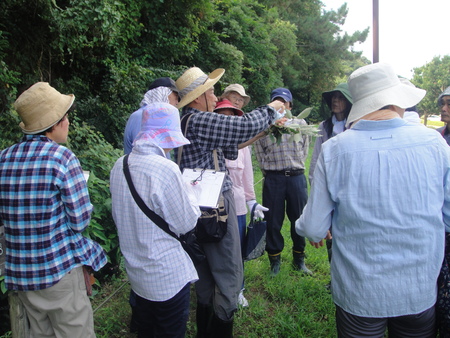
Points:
x=45 y=206
x=208 y=131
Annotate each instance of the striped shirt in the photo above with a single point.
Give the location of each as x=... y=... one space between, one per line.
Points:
x=45 y=206
x=208 y=131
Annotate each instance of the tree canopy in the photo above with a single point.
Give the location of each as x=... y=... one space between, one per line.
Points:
x=434 y=77
x=107 y=52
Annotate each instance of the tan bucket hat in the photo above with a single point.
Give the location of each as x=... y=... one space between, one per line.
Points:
x=194 y=82
x=41 y=107
x=236 y=87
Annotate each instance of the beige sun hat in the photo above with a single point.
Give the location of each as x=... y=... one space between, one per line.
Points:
x=236 y=87
x=194 y=82
x=376 y=85
x=41 y=107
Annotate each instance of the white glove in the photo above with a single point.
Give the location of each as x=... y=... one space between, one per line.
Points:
x=259 y=209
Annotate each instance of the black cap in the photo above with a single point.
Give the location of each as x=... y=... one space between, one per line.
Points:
x=163 y=82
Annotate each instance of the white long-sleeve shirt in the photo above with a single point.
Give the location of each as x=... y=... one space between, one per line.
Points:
x=157 y=265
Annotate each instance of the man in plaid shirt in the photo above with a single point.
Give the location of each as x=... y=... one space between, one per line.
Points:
x=45 y=206
x=221 y=276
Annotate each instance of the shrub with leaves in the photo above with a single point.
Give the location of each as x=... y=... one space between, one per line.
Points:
x=97 y=156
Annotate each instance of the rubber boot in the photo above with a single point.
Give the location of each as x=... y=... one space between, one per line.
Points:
x=299 y=263
x=204 y=315
x=221 y=328
x=275 y=263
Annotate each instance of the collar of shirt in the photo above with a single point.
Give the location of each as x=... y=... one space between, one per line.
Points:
x=379 y=125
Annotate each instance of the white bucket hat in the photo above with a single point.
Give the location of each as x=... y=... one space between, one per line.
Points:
x=374 y=86
x=194 y=82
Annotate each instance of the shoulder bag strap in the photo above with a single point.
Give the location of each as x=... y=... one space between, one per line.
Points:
x=158 y=220
x=216 y=161
x=184 y=123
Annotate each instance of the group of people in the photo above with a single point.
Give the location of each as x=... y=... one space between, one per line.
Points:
x=380 y=197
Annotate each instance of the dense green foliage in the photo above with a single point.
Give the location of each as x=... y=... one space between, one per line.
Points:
x=106 y=52
x=434 y=77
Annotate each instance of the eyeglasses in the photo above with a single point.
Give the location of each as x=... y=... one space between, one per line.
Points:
x=236 y=98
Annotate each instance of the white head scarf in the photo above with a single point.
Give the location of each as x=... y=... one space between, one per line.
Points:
x=158 y=94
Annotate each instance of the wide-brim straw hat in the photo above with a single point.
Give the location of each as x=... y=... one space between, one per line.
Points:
x=236 y=87
x=41 y=107
x=375 y=86
x=194 y=82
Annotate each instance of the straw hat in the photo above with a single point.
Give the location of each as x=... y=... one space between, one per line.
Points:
x=236 y=87
x=226 y=104
x=374 y=86
x=160 y=125
x=41 y=107
x=194 y=83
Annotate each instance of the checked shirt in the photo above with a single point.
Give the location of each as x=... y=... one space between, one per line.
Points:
x=208 y=131
x=45 y=206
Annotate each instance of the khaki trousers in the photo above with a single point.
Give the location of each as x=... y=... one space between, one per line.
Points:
x=62 y=310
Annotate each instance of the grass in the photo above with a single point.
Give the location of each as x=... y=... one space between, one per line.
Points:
x=434 y=124
x=287 y=305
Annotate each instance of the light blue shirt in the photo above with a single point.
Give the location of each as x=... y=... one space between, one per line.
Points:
x=385 y=188
x=132 y=128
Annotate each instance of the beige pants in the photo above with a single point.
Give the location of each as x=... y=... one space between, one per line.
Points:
x=63 y=310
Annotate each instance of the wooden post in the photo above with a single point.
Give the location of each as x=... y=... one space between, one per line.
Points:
x=20 y=327
x=375 y=27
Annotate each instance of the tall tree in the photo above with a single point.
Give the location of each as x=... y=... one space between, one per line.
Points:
x=434 y=77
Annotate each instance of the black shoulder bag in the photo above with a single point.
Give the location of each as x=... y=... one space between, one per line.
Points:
x=188 y=240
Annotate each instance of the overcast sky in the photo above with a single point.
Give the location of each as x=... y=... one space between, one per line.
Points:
x=411 y=33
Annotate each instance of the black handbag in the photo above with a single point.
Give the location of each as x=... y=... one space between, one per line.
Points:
x=188 y=240
x=255 y=238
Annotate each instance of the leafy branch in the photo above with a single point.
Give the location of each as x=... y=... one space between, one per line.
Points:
x=291 y=127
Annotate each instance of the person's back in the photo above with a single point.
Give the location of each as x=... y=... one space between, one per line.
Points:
x=384 y=185
x=45 y=207
x=388 y=216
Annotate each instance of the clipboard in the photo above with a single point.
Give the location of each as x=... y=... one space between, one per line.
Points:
x=207 y=185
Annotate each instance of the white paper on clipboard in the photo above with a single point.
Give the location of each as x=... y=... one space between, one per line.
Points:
x=207 y=186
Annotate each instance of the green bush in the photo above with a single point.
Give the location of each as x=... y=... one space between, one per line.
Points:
x=97 y=156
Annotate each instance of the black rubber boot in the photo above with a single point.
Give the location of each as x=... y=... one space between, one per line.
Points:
x=221 y=328
x=204 y=315
x=275 y=263
x=299 y=263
